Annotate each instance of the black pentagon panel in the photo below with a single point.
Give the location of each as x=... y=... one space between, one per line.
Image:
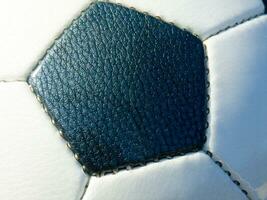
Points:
x=125 y=88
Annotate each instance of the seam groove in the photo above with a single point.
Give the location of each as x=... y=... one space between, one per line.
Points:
x=206 y=65
x=234 y=25
x=244 y=187
x=12 y=81
x=85 y=188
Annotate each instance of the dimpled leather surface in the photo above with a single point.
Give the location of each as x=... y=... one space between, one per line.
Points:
x=124 y=87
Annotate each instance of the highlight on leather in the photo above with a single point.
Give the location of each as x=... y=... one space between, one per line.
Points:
x=125 y=88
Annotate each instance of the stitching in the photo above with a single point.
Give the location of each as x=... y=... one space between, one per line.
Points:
x=105 y=1
x=218 y=162
x=131 y=166
x=185 y=29
x=234 y=25
x=245 y=189
x=128 y=166
x=235 y=179
x=62 y=135
x=60 y=131
x=85 y=188
x=12 y=81
x=211 y=155
x=38 y=97
x=242 y=185
x=60 y=35
x=151 y=15
x=206 y=64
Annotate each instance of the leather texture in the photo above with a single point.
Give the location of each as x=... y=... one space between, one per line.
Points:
x=35 y=162
x=204 y=18
x=238 y=96
x=125 y=88
x=193 y=176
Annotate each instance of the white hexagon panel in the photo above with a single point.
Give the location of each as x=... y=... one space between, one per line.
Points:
x=35 y=162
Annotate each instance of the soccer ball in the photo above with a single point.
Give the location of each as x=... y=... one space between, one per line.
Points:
x=136 y=100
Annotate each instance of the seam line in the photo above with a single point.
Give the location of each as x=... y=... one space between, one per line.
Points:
x=244 y=187
x=243 y=21
x=12 y=81
x=85 y=188
x=217 y=161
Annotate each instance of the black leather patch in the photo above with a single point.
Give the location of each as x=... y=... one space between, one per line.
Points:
x=124 y=87
x=265 y=3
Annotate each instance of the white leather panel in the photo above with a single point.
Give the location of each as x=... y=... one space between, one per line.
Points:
x=28 y=28
x=202 y=17
x=238 y=90
x=35 y=162
x=194 y=176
